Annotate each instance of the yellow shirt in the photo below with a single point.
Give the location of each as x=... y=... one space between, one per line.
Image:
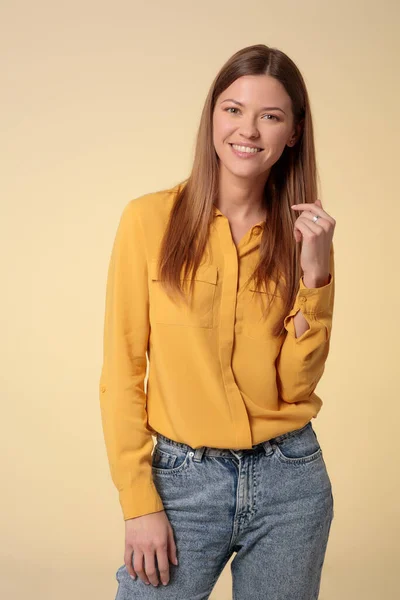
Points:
x=216 y=375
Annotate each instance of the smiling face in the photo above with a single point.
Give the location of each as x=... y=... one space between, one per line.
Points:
x=263 y=118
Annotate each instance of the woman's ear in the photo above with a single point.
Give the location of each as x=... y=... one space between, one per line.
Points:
x=297 y=132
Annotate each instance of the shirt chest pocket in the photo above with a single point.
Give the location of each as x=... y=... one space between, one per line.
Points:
x=198 y=311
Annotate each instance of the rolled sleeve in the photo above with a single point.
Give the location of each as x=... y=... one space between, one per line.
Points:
x=301 y=361
x=314 y=303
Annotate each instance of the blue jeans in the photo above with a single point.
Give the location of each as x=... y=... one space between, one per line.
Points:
x=271 y=506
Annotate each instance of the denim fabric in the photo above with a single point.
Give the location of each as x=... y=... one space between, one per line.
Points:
x=270 y=506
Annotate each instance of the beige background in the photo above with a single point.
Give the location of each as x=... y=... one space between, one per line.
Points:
x=100 y=104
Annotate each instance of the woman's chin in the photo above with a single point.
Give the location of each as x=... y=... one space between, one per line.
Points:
x=241 y=170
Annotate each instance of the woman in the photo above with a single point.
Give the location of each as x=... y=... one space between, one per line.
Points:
x=226 y=281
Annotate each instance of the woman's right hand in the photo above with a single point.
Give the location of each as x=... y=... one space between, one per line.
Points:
x=148 y=536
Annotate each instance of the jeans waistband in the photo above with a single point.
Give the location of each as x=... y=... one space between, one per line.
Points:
x=210 y=451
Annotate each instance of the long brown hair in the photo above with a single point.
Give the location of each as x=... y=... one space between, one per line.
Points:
x=292 y=179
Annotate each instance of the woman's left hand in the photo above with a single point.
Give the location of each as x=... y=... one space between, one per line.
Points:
x=317 y=238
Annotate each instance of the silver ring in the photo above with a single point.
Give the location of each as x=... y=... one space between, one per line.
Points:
x=316 y=217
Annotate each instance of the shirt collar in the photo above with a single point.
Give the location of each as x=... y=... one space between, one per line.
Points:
x=256 y=228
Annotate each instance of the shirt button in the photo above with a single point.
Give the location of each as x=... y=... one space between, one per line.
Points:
x=103 y=388
x=302 y=299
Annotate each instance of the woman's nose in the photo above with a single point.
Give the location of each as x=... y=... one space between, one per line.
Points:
x=249 y=129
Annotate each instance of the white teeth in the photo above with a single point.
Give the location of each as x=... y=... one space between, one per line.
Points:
x=245 y=149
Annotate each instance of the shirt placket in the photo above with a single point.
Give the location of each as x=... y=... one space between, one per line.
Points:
x=237 y=407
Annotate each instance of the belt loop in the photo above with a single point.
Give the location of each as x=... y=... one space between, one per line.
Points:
x=268 y=447
x=198 y=454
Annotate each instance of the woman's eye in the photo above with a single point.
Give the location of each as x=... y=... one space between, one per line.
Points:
x=234 y=108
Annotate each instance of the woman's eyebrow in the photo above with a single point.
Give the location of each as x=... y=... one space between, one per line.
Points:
x=264 y=108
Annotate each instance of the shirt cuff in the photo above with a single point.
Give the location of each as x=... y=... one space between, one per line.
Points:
x=311 y=301
x=142 y=500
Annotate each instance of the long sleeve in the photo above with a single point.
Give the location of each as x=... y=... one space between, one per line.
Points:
x=127 y=438
x=301 y=361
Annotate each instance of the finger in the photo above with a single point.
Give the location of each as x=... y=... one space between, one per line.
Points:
x=172 y=547
x=150 y=567
x=128 y=562
x=297 y=233
x=316 y=203
x=163 y=565
x=307 y=228
x=314 y=209
x=139 y=566
x=322 y=222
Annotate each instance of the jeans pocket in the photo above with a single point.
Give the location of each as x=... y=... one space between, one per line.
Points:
x=301 y=447
x=170 y=460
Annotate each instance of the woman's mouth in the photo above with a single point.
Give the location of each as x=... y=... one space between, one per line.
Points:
x=245 y=151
